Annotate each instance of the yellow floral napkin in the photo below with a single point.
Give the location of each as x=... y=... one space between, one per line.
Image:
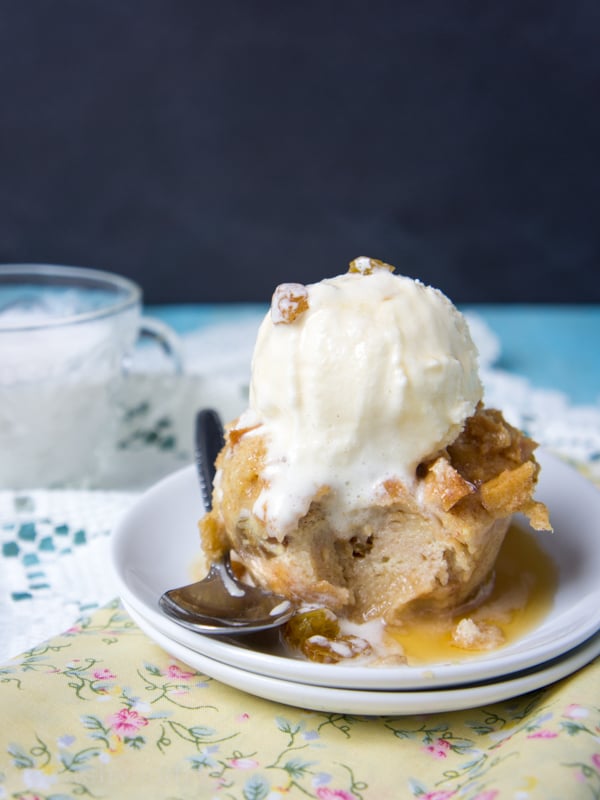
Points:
x=102 y=712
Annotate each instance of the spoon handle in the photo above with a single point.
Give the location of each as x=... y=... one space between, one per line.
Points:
x=209 y=438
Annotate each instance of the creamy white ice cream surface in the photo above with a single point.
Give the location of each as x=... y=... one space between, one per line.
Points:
x=355 y=381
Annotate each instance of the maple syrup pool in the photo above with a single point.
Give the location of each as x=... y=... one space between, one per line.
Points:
x=525 y=583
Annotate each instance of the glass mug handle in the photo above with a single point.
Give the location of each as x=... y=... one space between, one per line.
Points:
x=163 y=335
x=148 y=408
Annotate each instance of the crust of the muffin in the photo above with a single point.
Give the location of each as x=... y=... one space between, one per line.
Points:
x=425 y=548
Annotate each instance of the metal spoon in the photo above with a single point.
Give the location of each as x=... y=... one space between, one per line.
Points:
x=220 y=603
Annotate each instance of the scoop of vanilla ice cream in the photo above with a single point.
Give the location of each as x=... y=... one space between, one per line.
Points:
x=356 y=380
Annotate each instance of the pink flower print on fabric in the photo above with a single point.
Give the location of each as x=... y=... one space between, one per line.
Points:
x=127 y=721
x=596 y=760
x=437 y=795
x=244 y=763
x=543 y=734
x=176 y=673
x=439 y=749
x=73 y=630
x=326 y=793
x=490 y=794
x=104 y=675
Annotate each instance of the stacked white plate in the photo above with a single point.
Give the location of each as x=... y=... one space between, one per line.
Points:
x=157 y=543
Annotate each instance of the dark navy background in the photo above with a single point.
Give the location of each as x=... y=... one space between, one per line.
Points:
x=212 y=150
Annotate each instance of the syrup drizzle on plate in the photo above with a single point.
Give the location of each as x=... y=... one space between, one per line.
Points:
x=525 y=582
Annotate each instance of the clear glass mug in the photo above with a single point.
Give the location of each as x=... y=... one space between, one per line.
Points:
x=67 y=336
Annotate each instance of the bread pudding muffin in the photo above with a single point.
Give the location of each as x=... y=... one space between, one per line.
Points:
x=367 y=476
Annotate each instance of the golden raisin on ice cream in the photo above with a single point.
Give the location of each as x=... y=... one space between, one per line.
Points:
x=365 y=265
x=288 y=302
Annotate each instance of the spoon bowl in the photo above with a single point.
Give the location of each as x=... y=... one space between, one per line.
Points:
x=220 y=603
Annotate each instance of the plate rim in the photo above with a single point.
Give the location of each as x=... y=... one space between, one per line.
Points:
x=372 y=702
x=490 y=666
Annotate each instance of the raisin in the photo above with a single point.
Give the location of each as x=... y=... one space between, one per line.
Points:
x=366 y=266
x=319 y=622
x=289 y=301
x=316 y=634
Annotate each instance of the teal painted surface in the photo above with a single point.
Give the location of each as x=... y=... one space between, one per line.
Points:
x=556 y=347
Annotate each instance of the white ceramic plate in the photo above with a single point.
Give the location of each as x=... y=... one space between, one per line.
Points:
x=373 y=702
x=157 y=542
